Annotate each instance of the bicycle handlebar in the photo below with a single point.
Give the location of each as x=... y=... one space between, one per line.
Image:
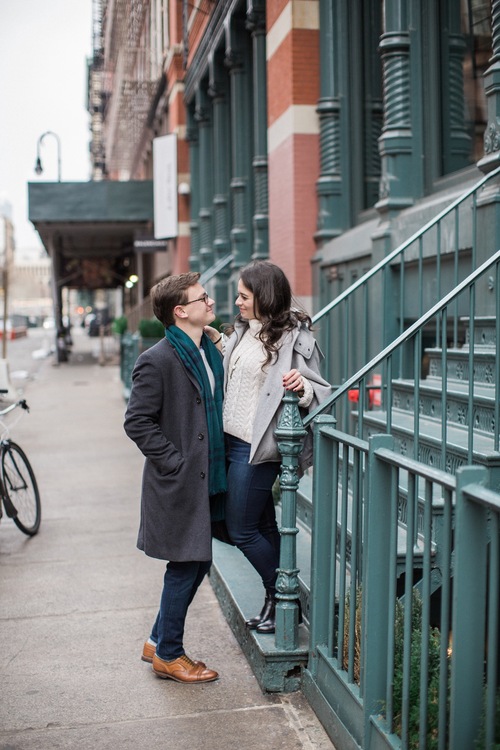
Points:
x=22 y=403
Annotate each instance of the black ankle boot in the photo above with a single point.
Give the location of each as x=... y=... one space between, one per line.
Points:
x=268 y=622
x=254 y=621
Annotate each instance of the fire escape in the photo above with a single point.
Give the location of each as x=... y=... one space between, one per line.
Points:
x=124 y=77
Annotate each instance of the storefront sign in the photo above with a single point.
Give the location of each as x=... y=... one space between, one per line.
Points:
x=165 y=186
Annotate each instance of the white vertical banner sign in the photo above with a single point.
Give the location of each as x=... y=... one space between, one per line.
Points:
x=165 y=186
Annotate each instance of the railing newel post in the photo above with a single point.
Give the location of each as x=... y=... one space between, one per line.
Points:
x=469 y=611
x=289 y=433
x=377 y=575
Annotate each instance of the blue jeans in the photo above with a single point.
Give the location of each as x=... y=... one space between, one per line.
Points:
x=250 y=512
x=180 y=584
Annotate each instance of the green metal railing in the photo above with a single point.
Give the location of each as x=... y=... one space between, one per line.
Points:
x=400 y=666
x=218 y=266
x=383 y=538
x=442 y=444
x=376 y=308
x=364 y=635
x=449 y=382
x=475 y=671
x=406 y=661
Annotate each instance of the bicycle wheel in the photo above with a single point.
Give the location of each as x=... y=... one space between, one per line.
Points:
x=21 y=488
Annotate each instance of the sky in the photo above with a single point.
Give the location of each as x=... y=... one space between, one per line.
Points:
x=44 y=46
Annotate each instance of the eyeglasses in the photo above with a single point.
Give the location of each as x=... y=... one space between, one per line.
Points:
x=204 y=298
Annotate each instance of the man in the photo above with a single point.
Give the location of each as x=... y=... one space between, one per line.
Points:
x=174 y=416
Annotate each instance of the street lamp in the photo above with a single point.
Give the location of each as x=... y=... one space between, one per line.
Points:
x=38 y=165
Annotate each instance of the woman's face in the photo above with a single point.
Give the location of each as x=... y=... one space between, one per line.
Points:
x=245 y=302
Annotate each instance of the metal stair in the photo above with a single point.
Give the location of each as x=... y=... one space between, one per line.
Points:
x=459 y=402
x=457 y=408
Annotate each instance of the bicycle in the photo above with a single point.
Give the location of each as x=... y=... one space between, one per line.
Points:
x=18 y=488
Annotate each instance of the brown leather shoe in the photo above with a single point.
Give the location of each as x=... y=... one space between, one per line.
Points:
x=183 y=669
x=149 y=650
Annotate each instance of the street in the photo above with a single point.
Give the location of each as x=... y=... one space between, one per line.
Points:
x=23 y=366
x=25 y=355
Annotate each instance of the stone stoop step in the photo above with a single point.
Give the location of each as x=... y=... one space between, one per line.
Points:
x=241 y=595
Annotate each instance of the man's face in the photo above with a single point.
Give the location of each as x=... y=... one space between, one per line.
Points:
x=199 y=306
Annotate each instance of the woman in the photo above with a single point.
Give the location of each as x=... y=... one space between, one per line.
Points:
x=269 y=349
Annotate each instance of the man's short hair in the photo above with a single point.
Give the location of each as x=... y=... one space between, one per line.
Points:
x=170 y=292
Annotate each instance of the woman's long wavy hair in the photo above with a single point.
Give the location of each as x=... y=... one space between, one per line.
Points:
x=272 y=304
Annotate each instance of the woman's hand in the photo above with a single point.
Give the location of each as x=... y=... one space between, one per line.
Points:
x=293 y=381
x=214 y=336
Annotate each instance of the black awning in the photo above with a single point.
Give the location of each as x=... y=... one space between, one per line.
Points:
x=91 y=227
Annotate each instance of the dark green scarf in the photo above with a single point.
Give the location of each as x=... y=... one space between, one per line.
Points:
x=192 y=360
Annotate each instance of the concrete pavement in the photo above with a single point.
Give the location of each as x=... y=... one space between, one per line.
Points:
x=78 y=599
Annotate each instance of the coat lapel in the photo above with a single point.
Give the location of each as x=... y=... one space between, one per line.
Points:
x=189 y=374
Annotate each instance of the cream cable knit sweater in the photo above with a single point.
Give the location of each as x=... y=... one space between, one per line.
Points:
x=245 y=381
x=246 y=378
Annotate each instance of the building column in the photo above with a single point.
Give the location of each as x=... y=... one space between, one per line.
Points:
x=372 y=111
x=203 y=117
x=238 y=61
x=332 y=208
x=456 y=141
x=491 y=158
x=350 y=113
x=218 y=89
x=293 y=73
x=400 y=169
x=194 y=166
x=489 y=200
x=256 y=23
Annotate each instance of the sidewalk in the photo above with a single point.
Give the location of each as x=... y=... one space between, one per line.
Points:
x=77 y=600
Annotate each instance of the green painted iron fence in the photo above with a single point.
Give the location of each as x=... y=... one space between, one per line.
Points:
x=449 y=414
x=395 y=588
x=404 y=642
x=475 y=694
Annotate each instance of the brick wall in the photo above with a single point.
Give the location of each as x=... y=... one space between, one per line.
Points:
x=293 y=136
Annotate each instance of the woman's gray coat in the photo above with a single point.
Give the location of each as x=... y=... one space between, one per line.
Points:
x=298 y=350
x=166 y=419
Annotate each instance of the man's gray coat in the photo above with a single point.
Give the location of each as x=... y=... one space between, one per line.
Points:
x=166 y=419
